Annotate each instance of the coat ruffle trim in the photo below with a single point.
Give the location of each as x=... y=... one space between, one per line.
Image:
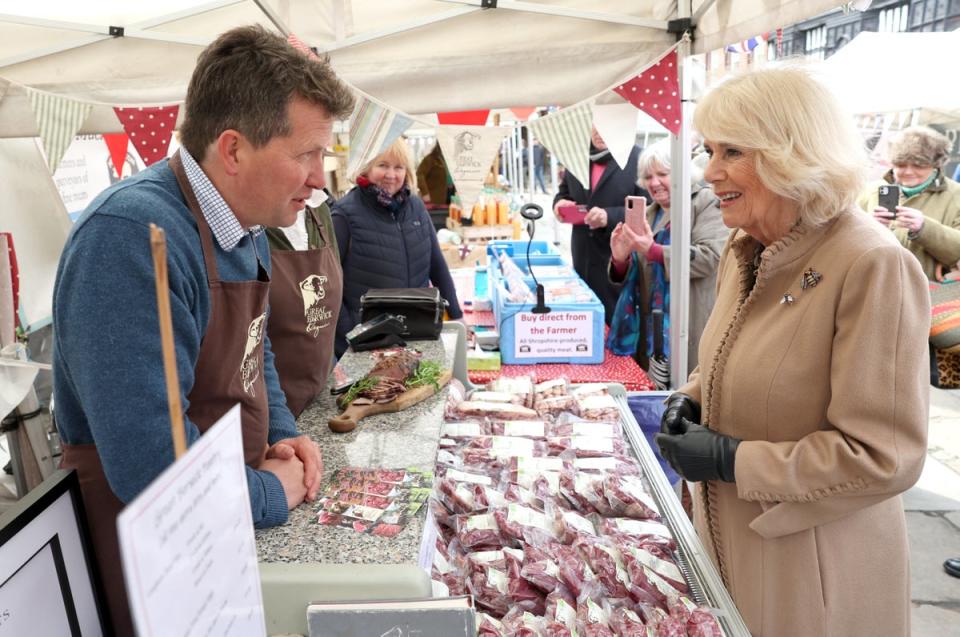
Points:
x=811 y=496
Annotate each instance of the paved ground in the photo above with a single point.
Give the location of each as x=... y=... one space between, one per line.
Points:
x=933 y=522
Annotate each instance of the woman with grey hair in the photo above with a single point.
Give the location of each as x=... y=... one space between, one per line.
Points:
x=808 y=414
x=640 y=262
x=927 y=221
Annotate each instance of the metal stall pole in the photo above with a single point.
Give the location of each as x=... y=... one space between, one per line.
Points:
x=680 y=222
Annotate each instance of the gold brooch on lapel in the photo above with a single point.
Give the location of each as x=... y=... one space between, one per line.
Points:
x=810 y=279
x=788 y=299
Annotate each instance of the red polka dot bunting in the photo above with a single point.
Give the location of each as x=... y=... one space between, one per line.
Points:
x=656 y=92
x=149 y=129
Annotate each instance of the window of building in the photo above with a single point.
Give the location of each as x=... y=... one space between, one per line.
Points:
x=934 y=15
x=814 y=43
x=894 y=19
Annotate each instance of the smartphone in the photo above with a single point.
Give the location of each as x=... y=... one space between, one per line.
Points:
x=573 y=214
x=634 y=213
x=889 y=197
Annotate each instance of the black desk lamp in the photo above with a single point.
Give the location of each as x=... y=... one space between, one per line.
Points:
x=531 y=212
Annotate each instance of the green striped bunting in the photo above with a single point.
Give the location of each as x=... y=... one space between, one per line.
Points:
x=373 y=127
x=58 y=119
x=566 y=134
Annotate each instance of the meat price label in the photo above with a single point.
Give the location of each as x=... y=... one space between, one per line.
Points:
x=553 y=335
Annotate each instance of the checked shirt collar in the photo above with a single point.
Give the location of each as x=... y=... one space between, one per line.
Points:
x=221 y=219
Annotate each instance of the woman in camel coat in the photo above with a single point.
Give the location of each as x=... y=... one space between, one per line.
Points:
x=808 y=414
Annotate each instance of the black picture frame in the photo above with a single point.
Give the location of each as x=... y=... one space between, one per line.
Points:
x=25 y=517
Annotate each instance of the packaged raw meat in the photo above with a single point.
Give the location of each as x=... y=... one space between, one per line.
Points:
x=521 y=386
x=587 y=446
x=488 y=626
x=583 y=491
x=464 y=429
x=457 y=394
x=635 y=556
x=516 y=494
x=540 y=568
x=641 y=530
x=568 y=426
x=522 y=428
x=620 y=464
x=606 y=563
x=489 y=589
x=457 y=497
x=548 y=388
x=539 y=475
x=561 y=604
x=628 y=498
x=667 y=626
x=506 y=446
x=575 y=573
x=553 y=406
x=562 y=622
x=522 y=593
x=478 y=532
x=702 y=623
x=500 y=411
x=571 y=525
x=495 y=397
x=593 y=620
x=589 y=389
x=519 y=523
x=599 y=408
x=520 y=623
x=627 y=623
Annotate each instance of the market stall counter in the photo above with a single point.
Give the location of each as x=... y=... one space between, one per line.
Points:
x=304 y=561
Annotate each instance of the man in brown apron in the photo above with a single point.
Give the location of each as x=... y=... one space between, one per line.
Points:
x=305 y=294
x=258 y=116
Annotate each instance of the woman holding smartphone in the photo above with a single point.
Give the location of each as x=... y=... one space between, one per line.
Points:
x=927 y=219
x=640 y=260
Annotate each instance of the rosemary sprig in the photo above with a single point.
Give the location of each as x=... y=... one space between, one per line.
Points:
x=428 y=372
x=364 y=384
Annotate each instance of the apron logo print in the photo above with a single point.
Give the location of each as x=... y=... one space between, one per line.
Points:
x=250 y=369
x=317 y=315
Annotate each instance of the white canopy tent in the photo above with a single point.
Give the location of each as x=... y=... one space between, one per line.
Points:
x=897 y=72
x=418 y=56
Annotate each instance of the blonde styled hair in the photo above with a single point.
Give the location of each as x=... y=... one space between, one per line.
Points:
x=806 y=148
x=397 y=151
x=919 y=145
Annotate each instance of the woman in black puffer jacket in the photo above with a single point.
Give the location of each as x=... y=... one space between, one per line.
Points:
x=386 y=237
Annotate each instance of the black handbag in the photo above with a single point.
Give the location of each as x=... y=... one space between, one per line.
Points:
x=421 y=308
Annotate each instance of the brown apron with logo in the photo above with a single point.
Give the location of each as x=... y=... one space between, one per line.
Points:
x=305 y=295
x=229 y=370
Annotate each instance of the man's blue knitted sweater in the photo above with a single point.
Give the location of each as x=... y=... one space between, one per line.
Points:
x=108 y=369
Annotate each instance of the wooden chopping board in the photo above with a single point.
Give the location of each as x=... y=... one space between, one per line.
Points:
x=347 y=421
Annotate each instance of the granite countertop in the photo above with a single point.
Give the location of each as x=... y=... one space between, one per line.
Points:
x=408 y=438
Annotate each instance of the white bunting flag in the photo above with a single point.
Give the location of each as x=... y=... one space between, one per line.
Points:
x=373 y=127
x=617 y=125
x=566 y=134
x=469 y=151
x=58 y=119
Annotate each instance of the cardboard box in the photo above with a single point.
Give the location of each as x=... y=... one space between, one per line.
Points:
x=464 y=256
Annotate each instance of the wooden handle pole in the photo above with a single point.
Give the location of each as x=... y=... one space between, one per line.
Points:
x=158 y=246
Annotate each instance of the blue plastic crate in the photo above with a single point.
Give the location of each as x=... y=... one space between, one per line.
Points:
x=513 y=248
x=555 y=326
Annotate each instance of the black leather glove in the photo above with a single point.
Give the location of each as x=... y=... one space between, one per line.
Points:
x=698 y=453
x=679 y=406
